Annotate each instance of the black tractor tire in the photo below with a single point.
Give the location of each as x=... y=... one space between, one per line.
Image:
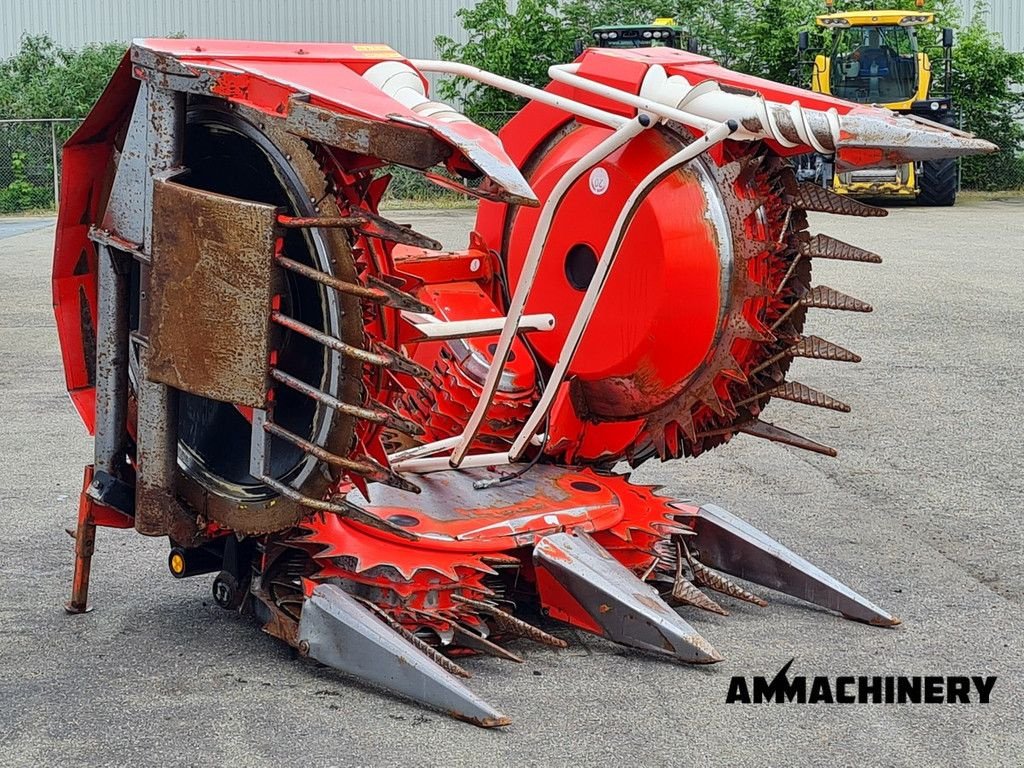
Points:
x=939 y=183
x=940 y=179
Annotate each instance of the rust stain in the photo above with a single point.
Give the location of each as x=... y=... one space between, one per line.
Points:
x=210 y=289
x=650 y=602
x=554 y=552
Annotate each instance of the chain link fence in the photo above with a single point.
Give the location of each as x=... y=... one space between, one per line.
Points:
x=30 y=169
x=30 y=158
x=30 y=163
x=999 y=172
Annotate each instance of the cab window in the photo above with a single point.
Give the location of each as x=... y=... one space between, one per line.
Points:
x=874 y=64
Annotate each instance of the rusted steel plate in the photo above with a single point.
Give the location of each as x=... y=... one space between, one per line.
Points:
x=210 y=291
x=391 y=141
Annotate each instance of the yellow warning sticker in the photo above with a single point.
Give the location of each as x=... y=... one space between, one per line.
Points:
x=377 y=50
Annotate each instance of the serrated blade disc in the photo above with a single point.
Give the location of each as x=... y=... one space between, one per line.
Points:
x=823 y=297
x=801 y=393
x=825 y=247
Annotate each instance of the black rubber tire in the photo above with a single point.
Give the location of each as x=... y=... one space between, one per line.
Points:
x=940 y=179
x=938 y=185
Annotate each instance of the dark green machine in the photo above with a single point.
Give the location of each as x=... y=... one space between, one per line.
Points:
x=663 y=32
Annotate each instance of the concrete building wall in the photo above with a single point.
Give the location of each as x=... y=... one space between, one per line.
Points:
x=409 y=26
x=1004 y=16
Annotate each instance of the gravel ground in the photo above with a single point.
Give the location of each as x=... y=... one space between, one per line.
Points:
x=921 y=513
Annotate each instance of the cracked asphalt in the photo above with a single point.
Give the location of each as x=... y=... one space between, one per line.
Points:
x=922 y=513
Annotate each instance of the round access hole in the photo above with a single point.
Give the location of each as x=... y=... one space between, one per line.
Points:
x=585 y=486
x=580 y=265
x=405 y=521
x=493 y=347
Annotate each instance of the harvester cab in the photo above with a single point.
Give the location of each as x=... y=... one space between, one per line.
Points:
x=878 y=57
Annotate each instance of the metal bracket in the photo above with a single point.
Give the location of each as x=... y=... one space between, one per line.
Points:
x=211 y=291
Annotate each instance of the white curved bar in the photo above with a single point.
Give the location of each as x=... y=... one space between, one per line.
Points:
x=405 y=85
x=518 y=301
x=520 y=89
x=709 y=139
x=566 y=73
x=441 y=463
x=427 y=449
x=432 y=329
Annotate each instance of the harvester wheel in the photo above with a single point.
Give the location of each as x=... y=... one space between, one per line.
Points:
x=230 y=152
x=939 y=178
x=938 y=183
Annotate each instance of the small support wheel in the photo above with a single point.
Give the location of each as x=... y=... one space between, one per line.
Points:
x=227 y=592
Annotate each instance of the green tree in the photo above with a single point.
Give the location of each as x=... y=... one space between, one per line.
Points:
x=44 y=80
x=987 y=92
x=584 y=15
x=753 y=36
x=764 y=42
x=756 y=36
x=521 y=44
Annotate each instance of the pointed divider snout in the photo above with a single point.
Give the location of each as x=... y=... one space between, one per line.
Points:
x=906 y=138
x=581 y=584
x=337 y=630
x=732 y=545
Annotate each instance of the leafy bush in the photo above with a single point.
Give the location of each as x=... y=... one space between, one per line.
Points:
x=45 y=80
x=986 y=91
x=21 y=194
x=520 y=43
x=755 y=36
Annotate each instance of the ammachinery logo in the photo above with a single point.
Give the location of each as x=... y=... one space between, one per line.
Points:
x=864 y=689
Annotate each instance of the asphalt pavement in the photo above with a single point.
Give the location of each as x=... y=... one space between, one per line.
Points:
x=921 y=512
x=19 y=225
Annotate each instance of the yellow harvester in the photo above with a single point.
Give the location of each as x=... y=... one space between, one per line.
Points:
x=874 y=57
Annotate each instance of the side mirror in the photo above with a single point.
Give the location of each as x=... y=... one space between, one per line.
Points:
x=577 y=48
x=947 y=37
x=804 y=41
x=692 y=44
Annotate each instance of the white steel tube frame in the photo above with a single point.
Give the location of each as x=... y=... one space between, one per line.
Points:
x=421 y=458
x=597 y=282
x=517 y=304
x=520 y=89
x=566 y=73
x=710 y=105
x=440 y=330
